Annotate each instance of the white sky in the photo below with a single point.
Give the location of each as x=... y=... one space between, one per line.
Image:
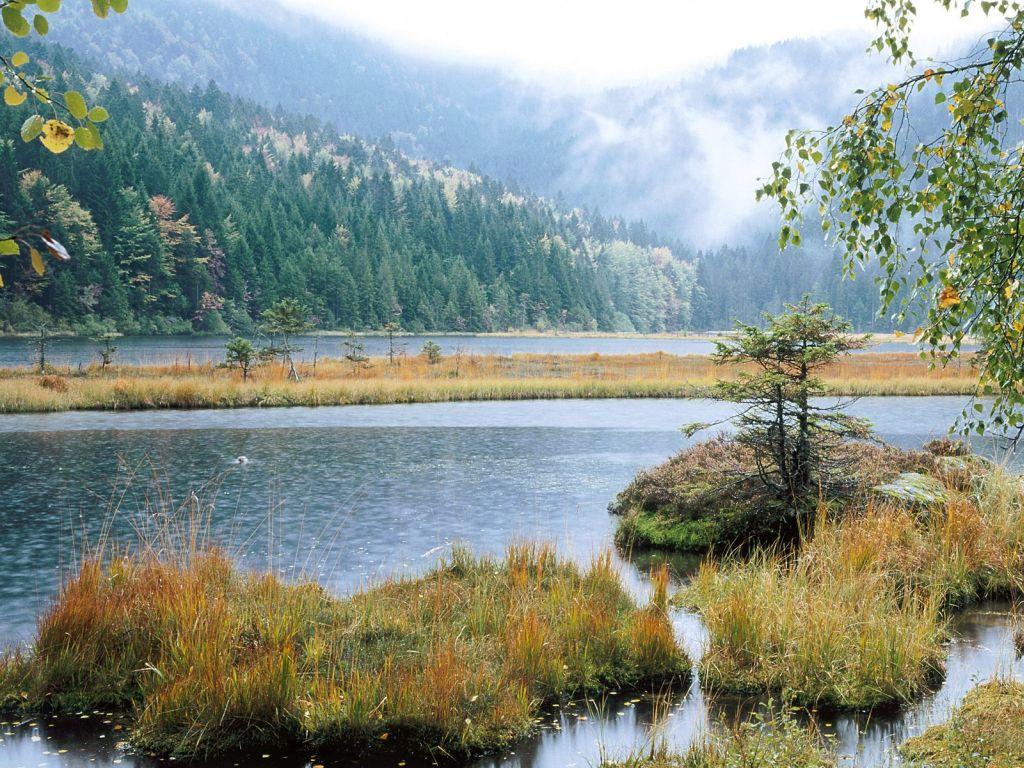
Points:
x=590 y=44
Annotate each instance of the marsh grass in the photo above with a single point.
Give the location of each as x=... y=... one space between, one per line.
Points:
x=857 y=619
x=456 y=377
x=985 y=731
x=210 y=660
x=767 y=740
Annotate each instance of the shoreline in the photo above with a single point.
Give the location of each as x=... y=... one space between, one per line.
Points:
x=455 y=378
x=703 y=335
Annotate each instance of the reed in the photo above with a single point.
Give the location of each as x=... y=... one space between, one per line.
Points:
x=211 y=660
x=456 y=377
x=857 y=618
x=767 y=740
x=986 y=730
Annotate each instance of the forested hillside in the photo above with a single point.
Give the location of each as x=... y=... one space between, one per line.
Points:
x=203 y=209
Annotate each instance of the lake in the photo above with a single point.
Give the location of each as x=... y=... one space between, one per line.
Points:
x=351 y=494
x=164 y=350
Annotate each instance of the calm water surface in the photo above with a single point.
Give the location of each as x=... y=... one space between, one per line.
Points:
x=351 y=494
x=163 y=350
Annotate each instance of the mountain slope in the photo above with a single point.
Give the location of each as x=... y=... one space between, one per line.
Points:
x=203 y=209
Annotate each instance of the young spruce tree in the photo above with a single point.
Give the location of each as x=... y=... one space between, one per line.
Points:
x=792 y=431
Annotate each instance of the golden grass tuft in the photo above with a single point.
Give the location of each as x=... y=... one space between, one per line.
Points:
x=857 y=618
x=213 y=660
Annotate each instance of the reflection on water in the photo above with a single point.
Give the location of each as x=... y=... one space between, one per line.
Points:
x=350 y=494
x=165 y=350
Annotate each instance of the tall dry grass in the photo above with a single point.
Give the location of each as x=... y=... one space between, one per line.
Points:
x=211 y=660
x=456 y=377
x=857 y=618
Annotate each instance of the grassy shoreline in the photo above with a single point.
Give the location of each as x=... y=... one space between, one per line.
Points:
x=455 y=378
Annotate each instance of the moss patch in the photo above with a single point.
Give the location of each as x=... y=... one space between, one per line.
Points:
x=708 y=497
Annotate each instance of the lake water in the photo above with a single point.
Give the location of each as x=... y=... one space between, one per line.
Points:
x=351 y=494
x=162 y=350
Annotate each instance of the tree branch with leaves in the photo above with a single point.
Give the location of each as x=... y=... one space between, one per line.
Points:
x=59 y=120
x=937 y=204
x=793 y=434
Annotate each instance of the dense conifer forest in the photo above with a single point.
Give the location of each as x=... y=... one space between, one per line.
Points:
x=203 y=209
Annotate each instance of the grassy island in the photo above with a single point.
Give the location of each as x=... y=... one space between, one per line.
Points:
x=850 y=613
x=987 y=730
x=451 y=378
x=208 y=660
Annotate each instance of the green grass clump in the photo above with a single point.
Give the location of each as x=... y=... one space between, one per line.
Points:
x=210 y=660
x=762 y=742
x=986 y=731
x=847 y=641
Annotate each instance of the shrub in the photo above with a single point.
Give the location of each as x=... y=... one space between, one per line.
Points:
x=827 y=639
x=53 y=383
x=856 y=619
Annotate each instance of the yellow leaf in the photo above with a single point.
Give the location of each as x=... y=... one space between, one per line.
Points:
x=949 y=297
x=13 y=97
x=37 y=261
x=1 y=281
x=19 y=59
x=57 y=136
x=1008 y=290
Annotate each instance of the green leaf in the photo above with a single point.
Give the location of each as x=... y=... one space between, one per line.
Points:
x=119 y=6
x=41 y=24
x=84 y=137
x=101 y=7
x=14 y=21
x=97 y=140
x=940 y=97
x=31 y=128
x=48 y=6
x=9 y=248
x=98 y=114
x=76 y=104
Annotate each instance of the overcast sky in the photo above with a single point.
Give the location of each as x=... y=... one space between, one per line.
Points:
x=587 y=44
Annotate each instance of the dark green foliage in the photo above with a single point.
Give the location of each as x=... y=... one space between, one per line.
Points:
x=431 y=351
x=204 y=210
x=793 y=438
x=241 y=354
